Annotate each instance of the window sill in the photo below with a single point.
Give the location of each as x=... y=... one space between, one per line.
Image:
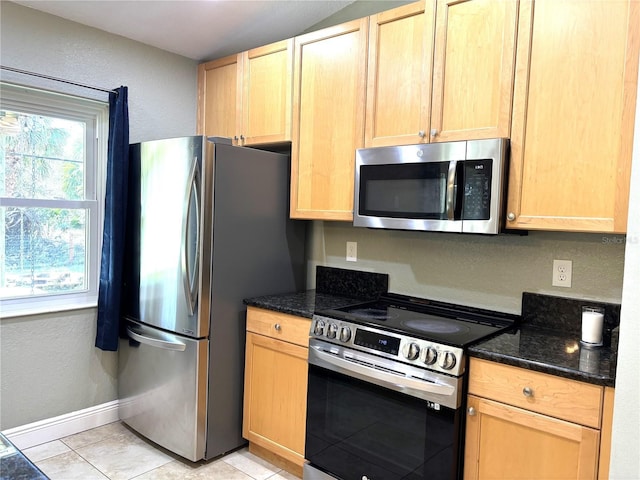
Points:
x=49 y=309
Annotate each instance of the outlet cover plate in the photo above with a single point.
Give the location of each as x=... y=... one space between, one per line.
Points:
x=562 y=273
x=352 y=251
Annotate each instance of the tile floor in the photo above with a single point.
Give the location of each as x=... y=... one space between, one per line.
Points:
x=115 y=452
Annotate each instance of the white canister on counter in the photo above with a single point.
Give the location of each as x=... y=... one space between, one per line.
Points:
x=592 y=324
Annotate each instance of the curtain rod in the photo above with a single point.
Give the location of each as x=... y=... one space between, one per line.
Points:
x=47 y=77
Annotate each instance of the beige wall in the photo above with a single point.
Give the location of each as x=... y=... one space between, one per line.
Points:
x=48 y=364
x=50 y=367
x=625 y=453
x=162 y=85
x=484 y=271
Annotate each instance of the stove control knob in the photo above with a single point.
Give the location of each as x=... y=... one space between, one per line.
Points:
x=430 y=356
x=448 y=361
x=332 y=331
x=345 y=334
x=318 y=328
x=411 y=351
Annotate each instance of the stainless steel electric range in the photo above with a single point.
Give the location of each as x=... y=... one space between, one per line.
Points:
x=387 y=386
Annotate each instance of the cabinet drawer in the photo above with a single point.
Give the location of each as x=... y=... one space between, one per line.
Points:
x=562 y=398
x=288 y=328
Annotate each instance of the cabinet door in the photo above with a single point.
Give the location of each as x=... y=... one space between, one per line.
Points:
x=605 y=434
x=268 y=81
x=504 y=442
x=275 y=396
x=399 y=75
x=573 y=115
x=571 y=400
x=220 y=97
x=473 y=69
x=328 y=124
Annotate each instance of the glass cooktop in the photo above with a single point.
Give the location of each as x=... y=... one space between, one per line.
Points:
x=456 y=325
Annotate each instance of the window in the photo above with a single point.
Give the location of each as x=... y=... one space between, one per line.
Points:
x=52 y=157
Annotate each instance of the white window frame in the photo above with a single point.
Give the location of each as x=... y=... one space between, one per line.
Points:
x=95 y=114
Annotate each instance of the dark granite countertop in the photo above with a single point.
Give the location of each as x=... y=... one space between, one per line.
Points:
x=552 y=352
x=548 y=341
x=331 y=285
x=301 y=304
x=14 y=465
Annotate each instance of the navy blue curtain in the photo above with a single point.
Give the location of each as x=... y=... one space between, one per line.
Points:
x=113 y=238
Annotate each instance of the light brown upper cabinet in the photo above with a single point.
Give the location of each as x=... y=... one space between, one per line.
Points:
x=441 y=72
x=399 y=75
x=328 y=123
x=220 y=97
x=473 y=69
x=248 y=96
x=267 y=93
x=573 y=115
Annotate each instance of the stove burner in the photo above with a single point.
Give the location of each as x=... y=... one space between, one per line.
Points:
x=433 y=325
x=371 y=314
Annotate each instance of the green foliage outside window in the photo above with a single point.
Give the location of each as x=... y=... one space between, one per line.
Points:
x=44 y=247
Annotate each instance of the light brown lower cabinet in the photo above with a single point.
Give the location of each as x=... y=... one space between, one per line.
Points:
x=529 y=425
x=275 y=387
x=605 y=434
x=509 y=443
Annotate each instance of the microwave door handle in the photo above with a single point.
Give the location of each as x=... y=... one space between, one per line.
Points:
x=451 y=190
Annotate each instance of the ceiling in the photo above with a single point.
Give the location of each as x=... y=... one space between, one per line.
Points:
x=198 y=29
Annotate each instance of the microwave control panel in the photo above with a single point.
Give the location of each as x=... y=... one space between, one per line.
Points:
x=477 y=190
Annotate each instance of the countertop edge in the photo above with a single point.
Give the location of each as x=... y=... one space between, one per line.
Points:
x=301 y=304
x=558 y=371
x=280 y=309
x=15 y=464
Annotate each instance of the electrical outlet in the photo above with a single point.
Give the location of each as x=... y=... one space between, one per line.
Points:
x=561 y=273
x=352 y=251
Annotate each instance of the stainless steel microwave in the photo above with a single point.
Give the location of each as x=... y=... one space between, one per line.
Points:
x=446 y=187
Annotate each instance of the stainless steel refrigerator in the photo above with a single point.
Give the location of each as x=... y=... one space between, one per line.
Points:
x=207 y=226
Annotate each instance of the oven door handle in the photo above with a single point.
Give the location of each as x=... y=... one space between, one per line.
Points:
x=395 y=381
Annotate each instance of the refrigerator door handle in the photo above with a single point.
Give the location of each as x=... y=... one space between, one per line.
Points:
x=156 y=342
x=191 y=266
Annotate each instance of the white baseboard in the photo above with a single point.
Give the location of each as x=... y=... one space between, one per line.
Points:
x=54 y=428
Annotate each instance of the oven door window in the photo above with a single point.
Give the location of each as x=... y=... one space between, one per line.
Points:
x=356 y=429
x=407 y=190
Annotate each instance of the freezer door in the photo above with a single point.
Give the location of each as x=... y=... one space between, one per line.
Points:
x=173 y=293
x=162 y=386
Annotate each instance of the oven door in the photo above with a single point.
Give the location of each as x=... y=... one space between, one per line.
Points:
x=357 y=428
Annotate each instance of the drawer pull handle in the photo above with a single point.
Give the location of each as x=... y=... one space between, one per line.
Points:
x=277 y=327
x=527 y=392
x=471 y=411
